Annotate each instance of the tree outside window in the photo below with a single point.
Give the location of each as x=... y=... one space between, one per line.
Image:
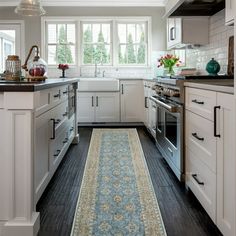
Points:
x=132 y=44
x=96 y=43
x=63 y=52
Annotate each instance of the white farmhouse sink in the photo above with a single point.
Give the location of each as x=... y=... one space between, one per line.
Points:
x=98 y=84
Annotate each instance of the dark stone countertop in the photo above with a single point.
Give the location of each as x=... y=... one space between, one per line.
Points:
x=25 y=86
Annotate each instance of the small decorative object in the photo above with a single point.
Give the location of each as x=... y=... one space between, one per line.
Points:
x=63 y=67
x=169 y=61
x=13 y=68
x=213 y=67
x=36 y=69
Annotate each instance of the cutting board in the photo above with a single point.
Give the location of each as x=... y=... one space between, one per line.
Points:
x=231 y=56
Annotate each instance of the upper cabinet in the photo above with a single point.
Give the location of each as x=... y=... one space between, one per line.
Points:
x=229 y=12
x=186 y=31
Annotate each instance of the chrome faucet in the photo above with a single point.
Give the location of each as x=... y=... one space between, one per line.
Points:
x=96 y=72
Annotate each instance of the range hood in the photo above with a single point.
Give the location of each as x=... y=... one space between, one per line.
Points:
x=194 y=7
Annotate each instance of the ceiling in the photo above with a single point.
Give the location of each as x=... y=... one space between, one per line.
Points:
x=93 y=3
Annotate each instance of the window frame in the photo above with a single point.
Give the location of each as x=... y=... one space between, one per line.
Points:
x=114 y=37
x=44 y=36
x=94 y=21
x=19 y=27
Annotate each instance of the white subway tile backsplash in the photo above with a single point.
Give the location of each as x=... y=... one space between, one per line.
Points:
x=217 y=48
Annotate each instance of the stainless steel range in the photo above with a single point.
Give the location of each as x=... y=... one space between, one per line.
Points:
x=169 y=103
x=169 y=125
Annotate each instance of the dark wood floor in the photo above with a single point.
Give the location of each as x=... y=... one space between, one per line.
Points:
x=181 y=212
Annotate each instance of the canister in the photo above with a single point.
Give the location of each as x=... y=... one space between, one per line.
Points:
x=13 y=68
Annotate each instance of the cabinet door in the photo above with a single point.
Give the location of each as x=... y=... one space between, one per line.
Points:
x=174 y=27
x=107 y=107
x=229 y=11
x=43 y=126
x=226 y=178
x=86 y=107
x=132 y=97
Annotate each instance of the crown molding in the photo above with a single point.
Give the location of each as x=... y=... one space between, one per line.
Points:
x=94 y=3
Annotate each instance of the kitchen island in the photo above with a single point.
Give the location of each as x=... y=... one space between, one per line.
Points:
x=38 y=124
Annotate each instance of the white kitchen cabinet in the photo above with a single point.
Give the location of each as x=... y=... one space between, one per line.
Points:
x=229 y=12
x=186 y=31
x=98 y=107
x=226 y=162
x=52 y=137
x=132 y=100
x=209 y=150
x=85 y=107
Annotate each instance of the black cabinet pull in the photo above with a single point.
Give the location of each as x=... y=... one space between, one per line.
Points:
x=92 y=102
x=65 y=92
x=197 y=137
x=56 y=95
x=53 y=129
x=97 y=101
x=146 y=106
x=215 y=121
x=66 y=140
x=172 y=33
x=57 y=153
x=196 y=101
x=57 y=121
x=197 y=180
x=122 y=89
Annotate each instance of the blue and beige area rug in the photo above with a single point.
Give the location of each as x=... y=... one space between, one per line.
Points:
x=117 y=196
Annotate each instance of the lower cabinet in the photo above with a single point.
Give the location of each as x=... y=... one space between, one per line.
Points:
x=98 y=107
x=210 y=156
x=226 y=165
x=54 y=131
x=132 y=103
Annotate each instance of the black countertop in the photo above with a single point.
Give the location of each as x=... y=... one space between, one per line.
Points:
x=192 y=77
x=25 y=86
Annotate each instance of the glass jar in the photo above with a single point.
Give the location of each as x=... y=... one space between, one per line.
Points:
x=37 y=68
x=13 y=68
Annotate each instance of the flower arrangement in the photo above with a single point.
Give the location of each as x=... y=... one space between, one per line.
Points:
x=169 y=61
x=63 y=67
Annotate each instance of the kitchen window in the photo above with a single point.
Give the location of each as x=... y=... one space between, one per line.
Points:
x=132 y=38
x=11 y=41
x=61 y=43
x=107 y=41
x=96 y=43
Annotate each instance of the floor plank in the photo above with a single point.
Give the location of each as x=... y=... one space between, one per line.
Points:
x=182 y=214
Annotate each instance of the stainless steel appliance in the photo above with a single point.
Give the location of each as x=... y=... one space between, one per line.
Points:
x=169 y=127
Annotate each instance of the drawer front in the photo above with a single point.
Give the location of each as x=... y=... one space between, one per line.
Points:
x=202 y=181
x=199 y=138
x=201 y=102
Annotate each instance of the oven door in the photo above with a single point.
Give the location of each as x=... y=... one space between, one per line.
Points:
x=170 y=133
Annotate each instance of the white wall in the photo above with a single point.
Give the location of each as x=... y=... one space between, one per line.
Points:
x=217 y=48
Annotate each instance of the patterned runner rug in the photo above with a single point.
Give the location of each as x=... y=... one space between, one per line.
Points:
x=117 y=196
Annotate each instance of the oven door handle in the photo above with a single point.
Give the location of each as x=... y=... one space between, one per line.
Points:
x=170 y=108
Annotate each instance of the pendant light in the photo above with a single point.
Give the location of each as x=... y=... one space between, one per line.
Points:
x=30 y=8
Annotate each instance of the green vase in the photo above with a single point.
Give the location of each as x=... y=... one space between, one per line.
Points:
x=213 y=67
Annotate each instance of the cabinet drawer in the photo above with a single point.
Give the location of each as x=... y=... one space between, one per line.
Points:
x=56 y=149
x=202 y=181
x=201 y=102
x=199 y=138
